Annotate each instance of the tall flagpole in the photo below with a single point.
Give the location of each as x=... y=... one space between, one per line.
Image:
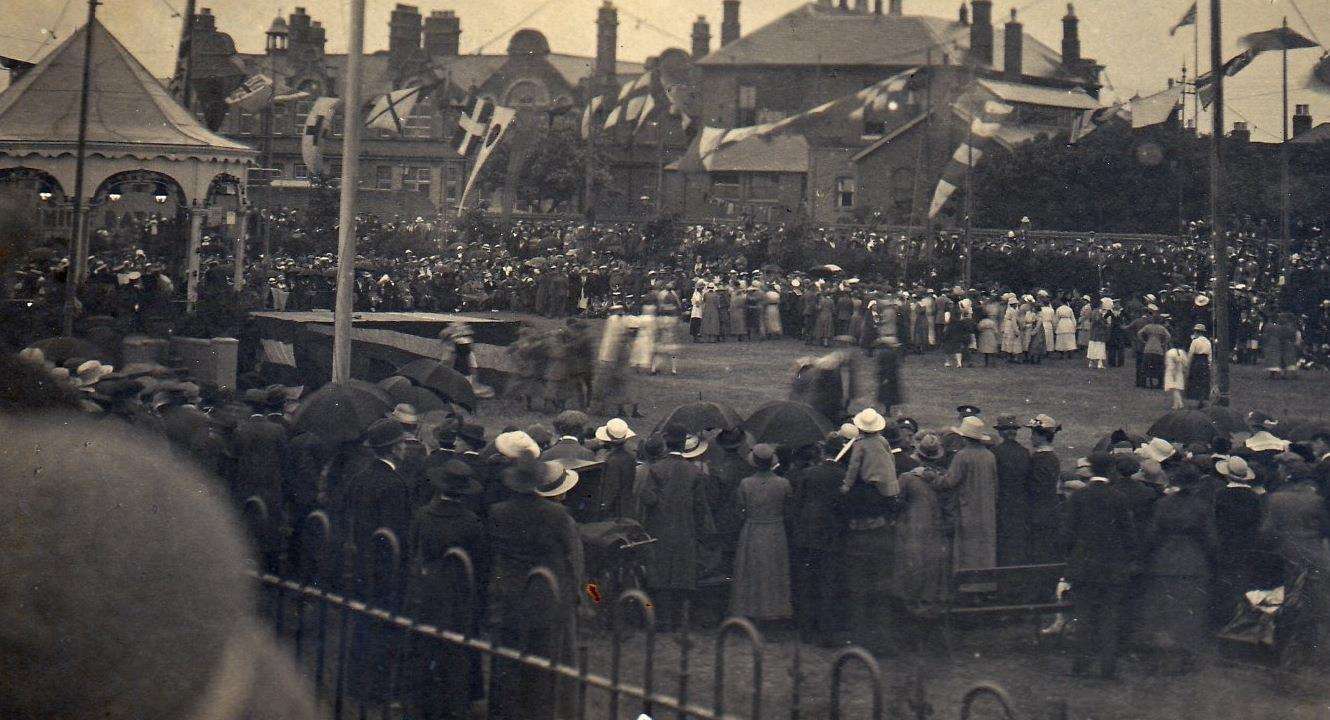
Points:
x=1285 y=230
x=1218 y=241
x=346 y=218
x=78 y=257
x=1196 y=72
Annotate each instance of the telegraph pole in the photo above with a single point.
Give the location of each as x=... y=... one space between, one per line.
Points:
x=78 y=257
x=1218 y=241
x=346 y=218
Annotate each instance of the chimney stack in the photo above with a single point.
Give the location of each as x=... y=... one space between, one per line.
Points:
x=895 y=7
x=403 y=33
x=981 y=32
x=701 y=37
x=1302 y=119
x=607 y=41
x=1013 y=48
x=1240 y=132
x=443 y=34
x=964 y=15
x=729 y=26
x=1071 y=40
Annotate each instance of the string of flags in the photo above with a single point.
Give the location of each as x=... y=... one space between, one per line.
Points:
x=481 y=127
x=984 y=126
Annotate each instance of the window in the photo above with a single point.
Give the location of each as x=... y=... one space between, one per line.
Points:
x=383 y=177
x=420 y=123
x=747 y=114
x=764 y=186
x=300 y=172
x=725 y=185
x=416 y=179
x=302 y=111
x=245 y=122
x=845 y=192
x=452 y=182
x=281 y=117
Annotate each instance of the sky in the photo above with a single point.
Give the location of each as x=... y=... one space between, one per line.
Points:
x=1130 y=37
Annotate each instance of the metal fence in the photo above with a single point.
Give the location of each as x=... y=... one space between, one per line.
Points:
x=340 y=609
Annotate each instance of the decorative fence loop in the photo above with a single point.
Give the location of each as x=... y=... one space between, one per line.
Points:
x=863 y=657
x=987 y=689
x=640 y=599
x=727 y=628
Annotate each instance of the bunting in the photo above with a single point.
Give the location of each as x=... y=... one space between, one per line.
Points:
x=1090 y=120
x=1188 y=18
x=984 y=125
x=632 y=99
x=391 y=109
x=482 y=137
x=1155 y=109
x=589 y=114
x=316 y=128
x=257 y=91
x=472 y=124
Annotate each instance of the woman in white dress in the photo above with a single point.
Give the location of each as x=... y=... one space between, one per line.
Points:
x=644 y=345
x=1011 y=331
x=772 y=323
x=1064 y=330
x=1175 y=376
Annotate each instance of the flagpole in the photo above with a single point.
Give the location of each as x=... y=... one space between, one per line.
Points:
x=969 y=183
x=346 y=217
x=78 y=259
x=1285 y=230
x=1218 y=241
x=1196 y=65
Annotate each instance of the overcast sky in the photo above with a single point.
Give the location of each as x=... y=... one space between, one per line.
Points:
x=1129 y=36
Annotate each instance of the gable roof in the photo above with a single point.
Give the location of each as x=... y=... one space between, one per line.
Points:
x=817 y=35
x=1075 y=98
x=127 y=106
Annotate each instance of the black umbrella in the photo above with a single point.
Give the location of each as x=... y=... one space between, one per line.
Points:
x=1185 y=426
x=340 y=412
x=1227 y=419
x=698 y=416
x=60 y=349
x=1106 y=444
x=447 y=382
x=826 y=271
x=788 y=423
x=419 y=398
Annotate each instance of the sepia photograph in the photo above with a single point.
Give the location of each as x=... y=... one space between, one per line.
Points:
x=648 y=359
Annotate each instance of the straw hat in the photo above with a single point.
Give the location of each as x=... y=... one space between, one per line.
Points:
x=615 y=431
x=1202 y=300
x=1235 y=468
x=91 y=372
x=1043 y=422
x=1263 y=441
x=848 y=431
x=870 y=421
x=405 y=413
x=556 y=480
x=516 y=445
x=693 y=446
x=972 y=428
x=1158 y=450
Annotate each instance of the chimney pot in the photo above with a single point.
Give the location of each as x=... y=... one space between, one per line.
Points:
x=964 y=14
x=729 y=27
x=981 y=32
x=1013 y=49
x=1302 y=119
x=701 y=37
x=607 y=41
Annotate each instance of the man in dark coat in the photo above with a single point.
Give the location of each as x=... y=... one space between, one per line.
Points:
x=1013 y=474
x=444 y=676
x=616 y=487
x=261 y=462
x=570 y=424
x=1237 y=518
x=1100 y=536
x=815 y=531
x=727 y=465
x=674 y=511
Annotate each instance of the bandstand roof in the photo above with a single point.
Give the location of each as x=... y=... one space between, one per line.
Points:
x=128 y=109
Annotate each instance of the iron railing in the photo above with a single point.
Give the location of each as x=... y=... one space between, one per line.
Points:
x=326 y=597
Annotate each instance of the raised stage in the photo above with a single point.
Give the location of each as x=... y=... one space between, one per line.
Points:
x=381 y=342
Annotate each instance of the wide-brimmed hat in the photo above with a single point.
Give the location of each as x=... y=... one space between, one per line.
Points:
x=405 y=413
x=451 y=476
x=1157 y=449
x=968 y=410
x=848 y=431
x=556 y=479
x=694 y=446
x=972 y=428
x=1006 y=422
x=516 y=445
x=929 y=446
x=1198 y=327
x=614 y=431
x=1202 y=300
x=91 y=372
x=472 y=433
x=763 y=456
x=1263 y=441
x=870 y=421
x=383 y=433
x=1235 y=468
x=1043 y=422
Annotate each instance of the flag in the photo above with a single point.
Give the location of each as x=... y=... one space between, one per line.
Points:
x=1321 y=72
x=391 y=110
x=1090 y=120
x=1205 y=84
x=316 y=126
x=644 y=111
x=1188 y=18
x=874 y=101
x=589 y=115
x=499 y=119
x=472 y=125
x=1155 y=109
x=1280 y=38
x=678 y=97
x=632 y=98
x=15 y=65
x=984 y=125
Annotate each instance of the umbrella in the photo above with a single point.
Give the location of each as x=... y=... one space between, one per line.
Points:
x=340 y=412
x=1106 y=444
x=825 y=271
x=447 y=382
x=60 y=349
x=1185 y=426
x=419 y=398
x=1227 y=419
x=788 y=423
x=698 y=416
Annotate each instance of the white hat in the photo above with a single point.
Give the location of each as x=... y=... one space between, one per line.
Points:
x=615 y=430
x=693 y=446
x=91 y=372
x=556 y=479
x=1158 y=449
x=1202 y=300
x=1262 y=441
x=870 y=421
x=1235 y=468
x=973 y=428
x=848 y=431
x=516 y=444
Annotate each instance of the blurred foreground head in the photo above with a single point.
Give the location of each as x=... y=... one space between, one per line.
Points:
x=124 y=593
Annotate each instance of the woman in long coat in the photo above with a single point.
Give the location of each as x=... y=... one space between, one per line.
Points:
x=920 y=573
x=1011 y=332
x=762 y=557
x=1198 y=365
x=772 y=310
x=824 y=328
x=1180 y=548
x=738 y=311
x=710 y=314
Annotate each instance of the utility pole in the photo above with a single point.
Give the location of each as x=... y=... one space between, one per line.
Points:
x=1286 y=234
x=1218 y=241
x=78 y=257
x=346 y=217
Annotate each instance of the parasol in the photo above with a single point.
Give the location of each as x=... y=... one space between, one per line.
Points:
x=1185 y=426
x=443 y=380
x=698 y=416
x=340 y=412
x=787 y=423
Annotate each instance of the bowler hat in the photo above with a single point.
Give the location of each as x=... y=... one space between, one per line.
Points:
x=451 y=476
x=384 y=432
x=763 y=456
x=1006 y=422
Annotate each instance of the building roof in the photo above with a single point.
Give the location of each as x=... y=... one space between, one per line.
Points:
x=1039 y=95
x=1317 y=134
x=814 y=34
x=127 y=106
